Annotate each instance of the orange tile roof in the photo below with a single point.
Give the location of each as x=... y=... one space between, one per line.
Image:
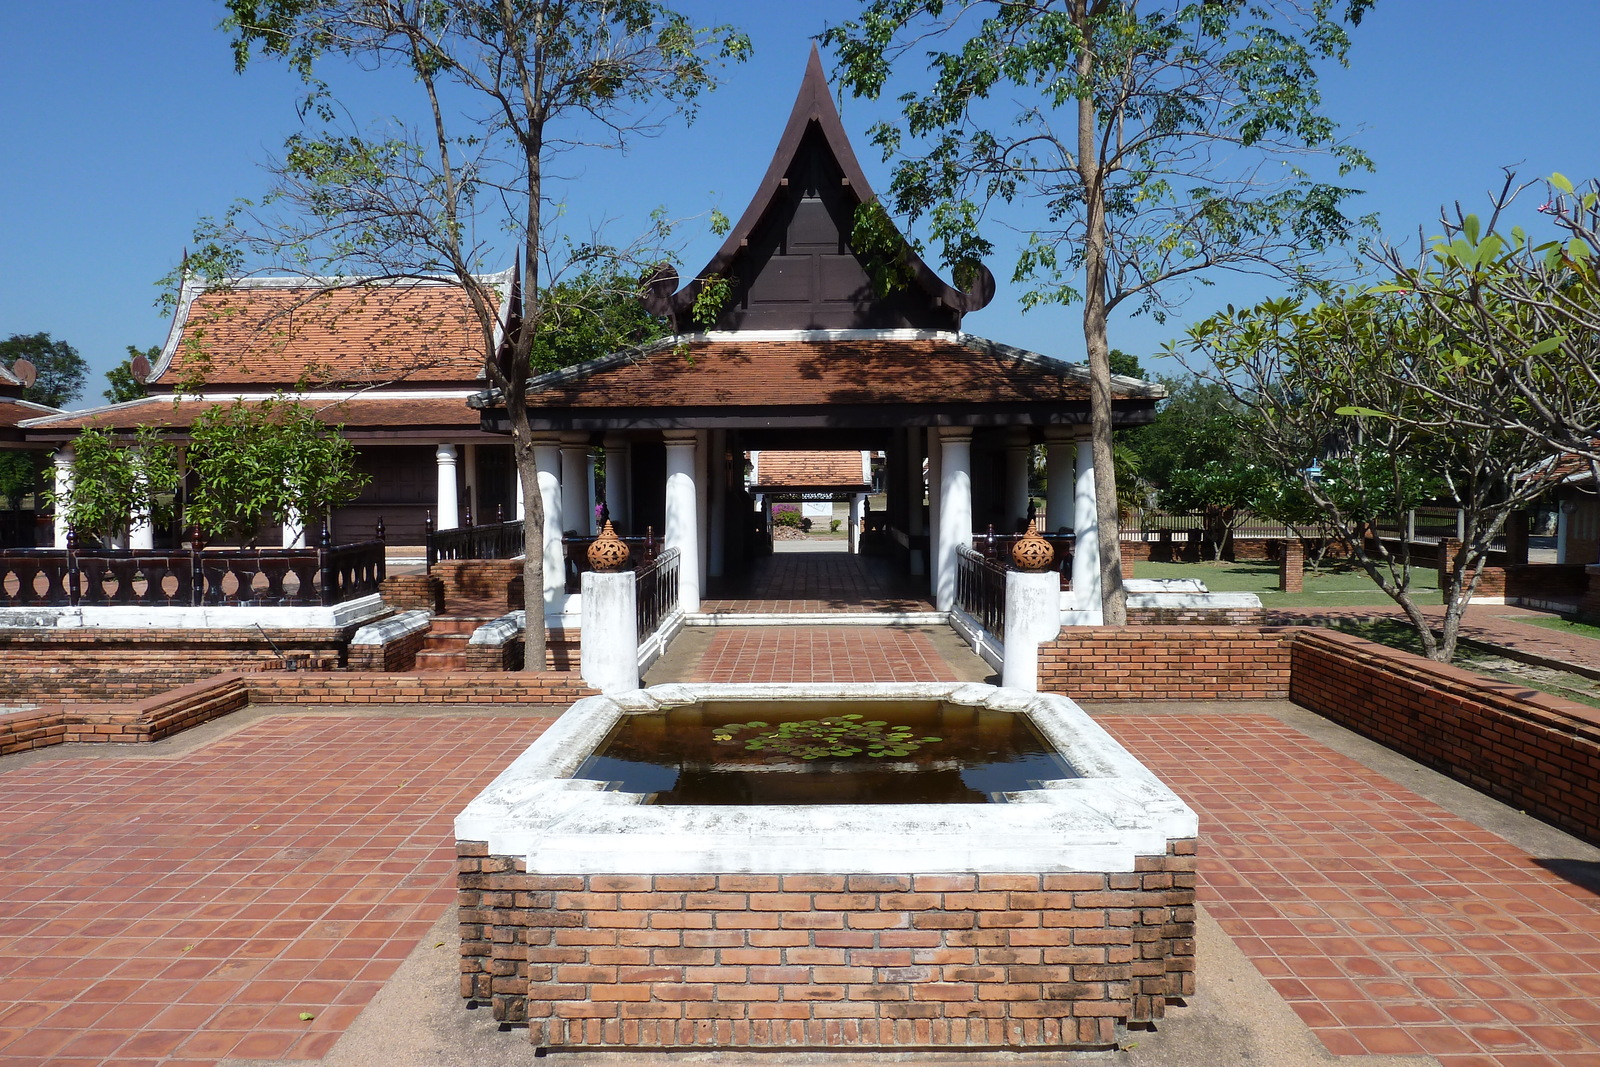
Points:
x=781 y=469
x=374 y=412
x=737 y=372
x=278 y=335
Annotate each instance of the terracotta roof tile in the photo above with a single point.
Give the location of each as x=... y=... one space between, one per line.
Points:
x=281 y=335
x=371 y=412
x=810 y=372
x=780 y=469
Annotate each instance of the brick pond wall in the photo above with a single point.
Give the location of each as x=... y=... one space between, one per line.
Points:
x=821 y=960
x=1167 y=663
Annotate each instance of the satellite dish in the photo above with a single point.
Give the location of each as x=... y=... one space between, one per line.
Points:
x=140 y=369
x=25 y=372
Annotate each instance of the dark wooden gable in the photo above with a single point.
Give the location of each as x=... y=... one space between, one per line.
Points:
x=789 y=259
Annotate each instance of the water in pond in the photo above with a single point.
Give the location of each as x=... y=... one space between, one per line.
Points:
x=866 y=752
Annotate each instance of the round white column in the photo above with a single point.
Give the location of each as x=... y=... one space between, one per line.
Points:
x=141 y=532
x=1086 y=533
x=575 y=484
x=294 y=530
x=547 y=459
x=63 y=472
x=683 y=510
x=955 y=508
x=1018 y=452
x=853 y=541
x=449 y=509
x=1060 y=454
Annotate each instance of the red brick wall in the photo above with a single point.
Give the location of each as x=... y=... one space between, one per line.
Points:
x=1591 y=599
x=1547 y=580
x=410 y=592
x=763 y=960
x=1292 y=566
x=101 y=665
x=161 y=716
x=1537 y=753
x=1167 y=663
x=481 y=579
x=397 y=655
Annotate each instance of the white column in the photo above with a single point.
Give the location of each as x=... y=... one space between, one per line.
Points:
x=854 y=540
x=717 y=522
x=449 y=512
x=682 y=530
x=575 y=500
x=547 y=459
x=933 y=507
x=63 y=462
x=520 y=508
x=294 y=530
x=619 y=482
x=1086 y=533
x=1018 y=452
x=955 y=508
x=594 y=495
x=141 y=533
x=1564 y=515
x=1060 y=454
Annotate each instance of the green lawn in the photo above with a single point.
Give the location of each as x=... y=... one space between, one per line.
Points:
x=1555 y=622
x=1333 y=586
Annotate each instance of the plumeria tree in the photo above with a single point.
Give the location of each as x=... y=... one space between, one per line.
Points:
x=118 y=483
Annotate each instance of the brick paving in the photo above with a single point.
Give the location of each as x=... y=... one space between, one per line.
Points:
x=820 y=654
x=182 y=910
x=1388 y=924
x=832 y=581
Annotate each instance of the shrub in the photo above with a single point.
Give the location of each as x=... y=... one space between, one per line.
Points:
x=833 y=525
x=785 y=515
x=805 y=524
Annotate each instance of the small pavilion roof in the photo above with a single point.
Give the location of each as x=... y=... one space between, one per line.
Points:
x=282 y=331
x=810 y=471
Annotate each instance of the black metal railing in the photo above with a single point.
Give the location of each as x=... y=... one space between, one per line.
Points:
x=575 y=555
x=997 y=547
x=501 y=540
x=981 y=589
x=266 y=577
x=656 y=591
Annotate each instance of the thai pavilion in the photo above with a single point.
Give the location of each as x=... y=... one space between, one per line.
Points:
x=804 y=355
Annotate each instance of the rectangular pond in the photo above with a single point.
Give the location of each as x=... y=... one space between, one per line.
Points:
x=786 y=866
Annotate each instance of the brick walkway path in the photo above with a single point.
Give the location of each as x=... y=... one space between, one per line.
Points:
x=820 y=654
x=1388 y=924
x=792 y=581
x=181 y=910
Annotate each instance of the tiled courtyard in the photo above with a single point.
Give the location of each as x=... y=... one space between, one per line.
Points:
x=183 y=909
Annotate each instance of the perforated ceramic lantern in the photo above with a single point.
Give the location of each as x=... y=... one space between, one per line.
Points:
x=608 y=552
x=1032 y=552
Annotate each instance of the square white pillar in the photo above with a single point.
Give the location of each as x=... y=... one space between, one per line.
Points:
x=955 y=509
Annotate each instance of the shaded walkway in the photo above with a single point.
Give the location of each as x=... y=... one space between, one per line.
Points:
x=818 y=576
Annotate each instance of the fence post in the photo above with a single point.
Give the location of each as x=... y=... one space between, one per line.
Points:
x=1033 y=614
x=427 y=538
x=197 y=574
x=608 y=655
x=328 y=581
x=72 y=567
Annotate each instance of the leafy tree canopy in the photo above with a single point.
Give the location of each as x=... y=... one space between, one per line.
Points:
x=592 y=315
x=61 y=370
x=123 y=386
x=117 y=484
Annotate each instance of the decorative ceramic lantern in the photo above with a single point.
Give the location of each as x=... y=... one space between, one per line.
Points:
x=1032 y=552
x=609 y=553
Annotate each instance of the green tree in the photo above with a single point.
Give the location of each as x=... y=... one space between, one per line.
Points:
x=61 y=371
x=1144 y=145
x=1331 y=386
x=21 y=472
x=271 y=461
x=1198 y=423
x=117 y=484
x=124 y=386
x=503 y=87
x=594 y=314
x=1221 y=492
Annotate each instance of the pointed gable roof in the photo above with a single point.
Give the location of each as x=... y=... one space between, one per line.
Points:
x=789 y=258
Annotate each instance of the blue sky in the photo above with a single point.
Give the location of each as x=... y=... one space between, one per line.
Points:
x=124 y=123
